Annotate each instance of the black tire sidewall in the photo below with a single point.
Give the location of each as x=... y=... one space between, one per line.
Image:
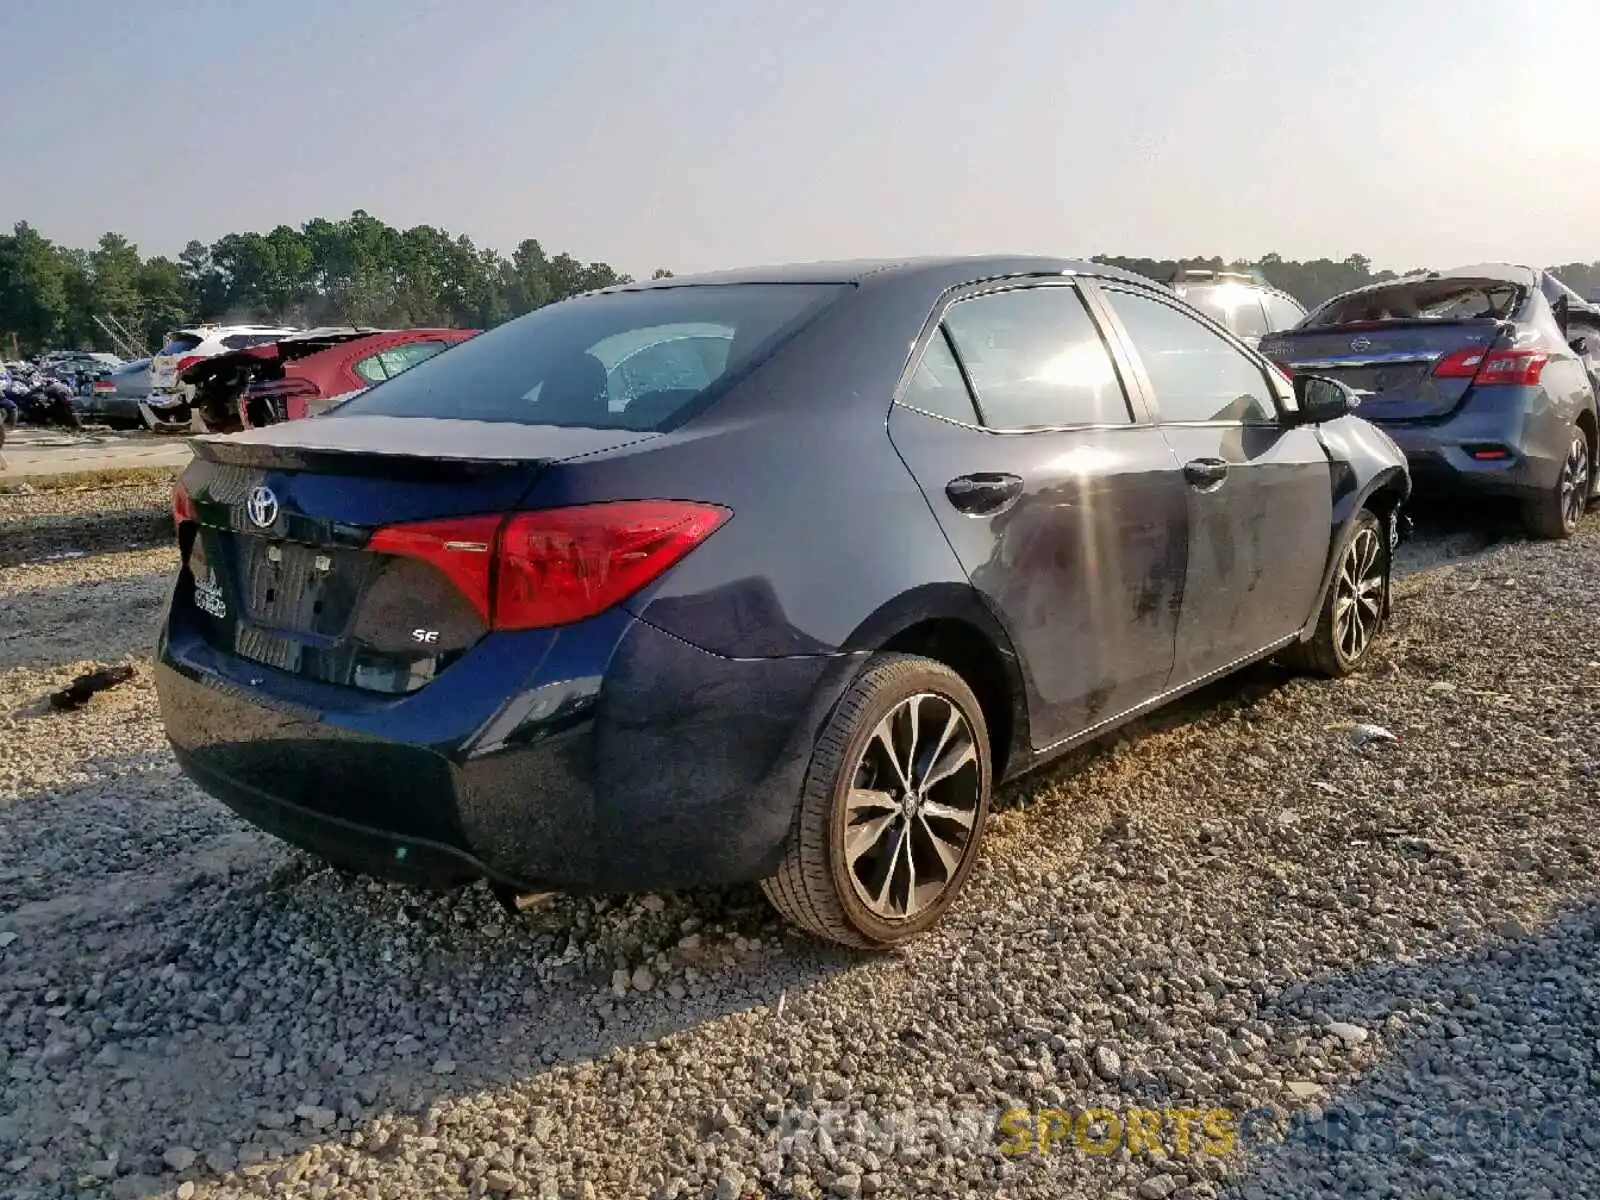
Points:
x=1585 y=486
x=1366 y=518
x=929 y=676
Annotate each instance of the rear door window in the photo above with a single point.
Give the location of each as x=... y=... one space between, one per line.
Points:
x=399 y=359
x=639 y=360
x=1036 y=360
x=1196 y=374
x=936 y=386
x=396 y=360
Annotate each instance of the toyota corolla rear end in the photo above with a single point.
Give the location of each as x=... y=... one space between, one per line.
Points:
x=405 y=642
x=1453 y=369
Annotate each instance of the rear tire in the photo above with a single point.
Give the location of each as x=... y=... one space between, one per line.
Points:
x=1553 y=515
x=1355 y=608
x=872 y=862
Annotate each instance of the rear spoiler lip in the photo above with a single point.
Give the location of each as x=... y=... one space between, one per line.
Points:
x=400 y=465
x=1394 y=323
x=313 y=445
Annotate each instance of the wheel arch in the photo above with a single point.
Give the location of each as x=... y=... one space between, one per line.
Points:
x=1591 y=430
x=951 y=624
x=1382 y=495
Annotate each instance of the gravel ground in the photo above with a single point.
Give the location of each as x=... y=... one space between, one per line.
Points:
x=1377 y=956
x=39 y=524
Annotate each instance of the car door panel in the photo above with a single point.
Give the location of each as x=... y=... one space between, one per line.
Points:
x=1075 y=538
x=1259 y=494
x=1257 y=542
x=1084 y=568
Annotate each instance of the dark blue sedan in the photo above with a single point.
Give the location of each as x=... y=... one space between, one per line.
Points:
x=762 y=575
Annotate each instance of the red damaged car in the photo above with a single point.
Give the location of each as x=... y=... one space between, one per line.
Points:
x=306 y=373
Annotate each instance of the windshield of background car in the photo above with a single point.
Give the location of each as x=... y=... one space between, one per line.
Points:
x=179 y=343
x=1235 y=307
x=1428 y=300
x=640 y=360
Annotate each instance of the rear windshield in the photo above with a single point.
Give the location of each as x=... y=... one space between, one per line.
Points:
x=179 y=343
x=1234 y=306
x=1431 y=299
x=624 y=360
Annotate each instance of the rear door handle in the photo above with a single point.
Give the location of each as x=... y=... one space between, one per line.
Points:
x=1205 y=473
x=983 y=494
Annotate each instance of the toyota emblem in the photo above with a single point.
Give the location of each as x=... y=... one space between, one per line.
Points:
x=1361 y=343
x=261 y=507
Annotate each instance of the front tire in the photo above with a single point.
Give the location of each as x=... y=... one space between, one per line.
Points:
x=1553 y=515
x=893 y=807
x=1355 y=607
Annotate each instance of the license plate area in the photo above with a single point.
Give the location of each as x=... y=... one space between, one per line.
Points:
x=299 y=589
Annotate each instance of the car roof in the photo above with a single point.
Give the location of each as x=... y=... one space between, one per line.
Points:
x=209 y=331
x=359 y=331
x=948 y=270
x=1505 y=272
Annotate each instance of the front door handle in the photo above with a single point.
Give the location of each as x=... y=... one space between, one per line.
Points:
x=983 y=494
x=1205 y=473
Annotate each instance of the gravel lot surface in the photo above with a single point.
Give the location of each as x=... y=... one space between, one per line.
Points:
x=1378 y=955
x=37 y=525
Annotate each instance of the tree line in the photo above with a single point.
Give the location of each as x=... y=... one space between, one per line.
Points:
x=362 y=271
x=358 y=271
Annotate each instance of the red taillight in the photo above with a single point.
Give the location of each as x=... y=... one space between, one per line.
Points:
x=461 y=547
x=534 y=570
x=182 y=506
x=1516 y=367
x=565 y=564
x=1462 y=364
x=188 y=361
x=1490 y=368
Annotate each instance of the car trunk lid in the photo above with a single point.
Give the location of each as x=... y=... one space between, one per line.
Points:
x=279 y=528
x=1390 y=364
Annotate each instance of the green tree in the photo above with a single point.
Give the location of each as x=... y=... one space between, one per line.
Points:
x=163 y=301
x=33 y=289
x=114 y=267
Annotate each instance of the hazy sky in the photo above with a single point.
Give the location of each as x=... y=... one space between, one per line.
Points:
x=718 y=132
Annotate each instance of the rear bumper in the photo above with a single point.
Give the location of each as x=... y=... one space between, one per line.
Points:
x=607 y=756
x=114 y=407
x=1439 y=453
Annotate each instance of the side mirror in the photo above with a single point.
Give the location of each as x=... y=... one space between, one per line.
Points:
x=1322 y=399
x=1580 y=344
x=1563 y=311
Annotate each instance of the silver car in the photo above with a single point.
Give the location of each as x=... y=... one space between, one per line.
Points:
x=114 y=399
